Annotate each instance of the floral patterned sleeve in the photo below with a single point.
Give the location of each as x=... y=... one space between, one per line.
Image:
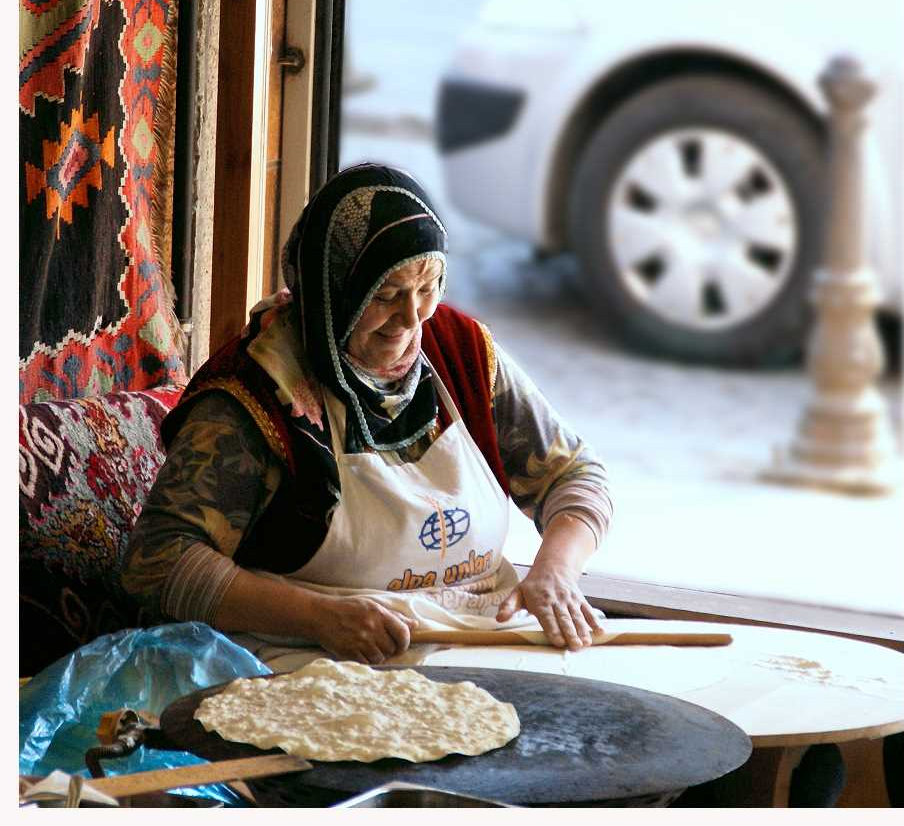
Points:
x=550 y=469
x=218 y=477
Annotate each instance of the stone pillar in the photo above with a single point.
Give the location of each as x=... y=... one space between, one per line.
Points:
x=844 y=440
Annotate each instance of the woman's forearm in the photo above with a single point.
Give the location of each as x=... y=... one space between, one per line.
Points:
x=568 y=542
x=258 y=604
x=550 y=591
x=354 y=627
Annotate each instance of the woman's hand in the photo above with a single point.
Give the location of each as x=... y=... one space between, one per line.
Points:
x=358 y=628
x=354 y=628
x=550 y=591
x=554 y=598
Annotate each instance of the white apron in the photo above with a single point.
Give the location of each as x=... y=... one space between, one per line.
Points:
x=424 y=538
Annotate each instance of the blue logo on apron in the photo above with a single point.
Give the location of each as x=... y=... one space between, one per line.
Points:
x=455 y=524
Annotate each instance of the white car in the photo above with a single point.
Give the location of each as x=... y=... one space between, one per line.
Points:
x=679 y=148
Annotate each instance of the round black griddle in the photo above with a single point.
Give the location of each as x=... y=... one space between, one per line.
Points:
x=582 y=742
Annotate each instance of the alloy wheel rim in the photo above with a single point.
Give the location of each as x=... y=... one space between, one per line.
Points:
x=702 y=228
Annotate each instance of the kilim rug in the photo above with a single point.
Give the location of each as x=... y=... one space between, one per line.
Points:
x=96 y=81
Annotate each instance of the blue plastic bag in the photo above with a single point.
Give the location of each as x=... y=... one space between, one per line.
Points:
x=145 y=670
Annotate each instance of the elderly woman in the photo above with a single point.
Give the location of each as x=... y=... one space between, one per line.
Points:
x=340 y=473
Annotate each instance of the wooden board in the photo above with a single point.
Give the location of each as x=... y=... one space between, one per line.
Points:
x=126 y=785
x=783 y=687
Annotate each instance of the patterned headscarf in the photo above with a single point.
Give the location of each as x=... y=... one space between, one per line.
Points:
x=362 y=225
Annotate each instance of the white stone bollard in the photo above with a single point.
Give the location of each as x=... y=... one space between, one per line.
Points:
x=844 y=439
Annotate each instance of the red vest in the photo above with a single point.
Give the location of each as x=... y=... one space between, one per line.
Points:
x=294 y=525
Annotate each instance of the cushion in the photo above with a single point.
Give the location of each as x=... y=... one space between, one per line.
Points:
x=85 y=469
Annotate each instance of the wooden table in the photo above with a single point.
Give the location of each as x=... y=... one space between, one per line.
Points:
x=787 y=689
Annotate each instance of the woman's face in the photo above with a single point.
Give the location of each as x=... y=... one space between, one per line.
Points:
x=406 y=299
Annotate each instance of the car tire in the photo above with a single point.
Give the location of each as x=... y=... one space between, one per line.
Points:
x=792 y=150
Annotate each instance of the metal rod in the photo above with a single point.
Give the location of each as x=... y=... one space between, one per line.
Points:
x=184 y=162
x=329 y=25
x=337 y=53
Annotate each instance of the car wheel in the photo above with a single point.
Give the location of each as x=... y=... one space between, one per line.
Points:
x=696 y=213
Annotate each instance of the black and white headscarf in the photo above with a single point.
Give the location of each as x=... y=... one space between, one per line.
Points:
x=363 y=224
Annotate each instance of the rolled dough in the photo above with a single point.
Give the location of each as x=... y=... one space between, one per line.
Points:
x=345 y=711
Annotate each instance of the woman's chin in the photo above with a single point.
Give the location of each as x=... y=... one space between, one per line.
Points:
x=384 y=357
x=392 y=360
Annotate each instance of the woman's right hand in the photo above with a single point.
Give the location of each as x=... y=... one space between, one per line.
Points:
x=358 y=628
x=354 y=628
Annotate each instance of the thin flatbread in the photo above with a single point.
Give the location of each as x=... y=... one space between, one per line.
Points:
x=345 y=711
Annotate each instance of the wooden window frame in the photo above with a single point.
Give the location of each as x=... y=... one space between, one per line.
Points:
x=257 y=196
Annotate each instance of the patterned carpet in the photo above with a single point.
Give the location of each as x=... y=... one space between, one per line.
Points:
x=85 y=469
x=96 y=81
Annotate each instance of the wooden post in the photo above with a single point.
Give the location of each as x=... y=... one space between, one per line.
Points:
x=844 y=439
x=232 y=181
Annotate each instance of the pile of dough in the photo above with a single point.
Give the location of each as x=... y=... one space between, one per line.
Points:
x=346 y=711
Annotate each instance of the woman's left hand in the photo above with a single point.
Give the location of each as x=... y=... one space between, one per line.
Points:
x=552 y=595
x=550 y=591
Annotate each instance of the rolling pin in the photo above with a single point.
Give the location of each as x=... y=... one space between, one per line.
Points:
x=470 y=637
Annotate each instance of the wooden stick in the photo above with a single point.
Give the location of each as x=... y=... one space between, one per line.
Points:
x=470 y=637
x=663 y=638
x=125 y=785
